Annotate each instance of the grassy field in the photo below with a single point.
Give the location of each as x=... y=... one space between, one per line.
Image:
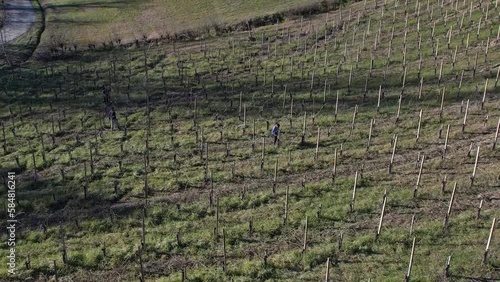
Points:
x=192 y=186
x=21 y=49
x=86 y=22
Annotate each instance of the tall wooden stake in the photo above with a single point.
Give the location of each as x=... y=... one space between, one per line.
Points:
x=351 y=204
x=407 y=277
x=485 y=256
x=419 y=176
x=473 y=176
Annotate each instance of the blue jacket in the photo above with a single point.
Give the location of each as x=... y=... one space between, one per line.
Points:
x=275 y=131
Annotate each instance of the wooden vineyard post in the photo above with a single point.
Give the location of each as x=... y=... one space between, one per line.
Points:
x=419 y=176
x=473 y=176
x=447 y=267
x=485 y=256
x=253 y=135
x=327 y=275
x=484 y=94
x=479 y=209
x=379 y=97
x=498 y=71
x=304 y=247
x=393 y=152
x=336 y=106
x=446 y=141
x=334 y=171
x=91 y=158
x=399 y=107
x=353 y=198
x=317 y=147
x=369 y=135
x=443 y=183
x=419 y=124
x=495 y=140
x=408 y=273
x=240 y=107
x=452 y=199
x=381 y=218
x=465 y=116
x=244 y=119
x=420 y=88
x=442 y=104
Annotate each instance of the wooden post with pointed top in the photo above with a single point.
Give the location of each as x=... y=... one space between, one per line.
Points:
x=407 y=277
x=327 y=275
x=304 y=247
x=496 y=135
x=381 y=218
x=334 y=171
x=336 y=106
x=399 y=107
x=473 y=176
x=485 y=256
x=369 y=135
x=419 y=124
x=442 y=103
x=447 y=267
x=443 y=183
x=465 y=116
x=479 y=209
x=244 y=119
x=411 y=224
x=484 y=94
x=446 y=141
x=419 y=176
x=452 y=199
x=393 y=152
x=353 y=198
x=379 y=97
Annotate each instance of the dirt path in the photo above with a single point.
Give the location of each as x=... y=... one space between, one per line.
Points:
x=19 y=17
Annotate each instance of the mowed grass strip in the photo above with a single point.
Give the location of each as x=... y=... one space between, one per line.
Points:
x=85 y=22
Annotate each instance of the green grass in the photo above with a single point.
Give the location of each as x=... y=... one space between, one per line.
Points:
x=86 y=22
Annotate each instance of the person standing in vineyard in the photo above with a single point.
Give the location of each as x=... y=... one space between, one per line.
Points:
x=275 y=132
x=114 y=120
